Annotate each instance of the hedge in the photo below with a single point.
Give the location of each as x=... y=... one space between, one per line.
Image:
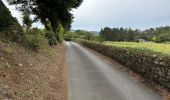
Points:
x=153 y=67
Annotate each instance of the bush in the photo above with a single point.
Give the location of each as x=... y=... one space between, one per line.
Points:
x=99 y=39
x=34 y=31
x=153 y=67
x=163 y=37
x=33 y=41
x=52 y=40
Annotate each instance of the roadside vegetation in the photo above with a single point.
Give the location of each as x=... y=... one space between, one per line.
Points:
x=32 y=60
x=153 y=66
x=145 y=52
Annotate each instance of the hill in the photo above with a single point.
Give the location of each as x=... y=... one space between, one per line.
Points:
x=30 y=75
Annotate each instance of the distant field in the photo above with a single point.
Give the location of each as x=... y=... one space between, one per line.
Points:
x=155 y=47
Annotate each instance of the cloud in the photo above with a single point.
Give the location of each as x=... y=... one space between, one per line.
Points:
x=95 y=14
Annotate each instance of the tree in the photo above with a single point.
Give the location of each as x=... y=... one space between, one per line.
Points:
x=57 y=12
x=119 y=34
x=165 y=37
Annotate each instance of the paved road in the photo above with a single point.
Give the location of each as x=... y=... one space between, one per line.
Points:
x=92 y=78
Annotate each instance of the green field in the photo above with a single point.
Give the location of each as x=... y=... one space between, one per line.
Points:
x=154 y=47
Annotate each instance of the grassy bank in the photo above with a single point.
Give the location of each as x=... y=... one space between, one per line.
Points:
x=30 y=75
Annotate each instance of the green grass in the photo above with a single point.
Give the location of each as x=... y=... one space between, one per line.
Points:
x=154 y=47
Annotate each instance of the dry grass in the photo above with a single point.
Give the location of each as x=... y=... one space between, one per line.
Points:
x=27 y=75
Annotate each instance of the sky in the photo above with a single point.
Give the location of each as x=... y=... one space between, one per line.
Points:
x=141 y=14
x=93 y=15
x=18 y=15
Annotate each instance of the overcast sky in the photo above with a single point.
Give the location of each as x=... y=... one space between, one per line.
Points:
x=141 y=14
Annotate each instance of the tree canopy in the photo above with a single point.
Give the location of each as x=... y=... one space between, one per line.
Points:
x=119 y=34
x=159 y=34
x=54 y=11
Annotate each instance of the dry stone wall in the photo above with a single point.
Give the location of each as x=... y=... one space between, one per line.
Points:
x=155 y=68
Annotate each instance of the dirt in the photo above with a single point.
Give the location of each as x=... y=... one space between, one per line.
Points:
x=28 y=75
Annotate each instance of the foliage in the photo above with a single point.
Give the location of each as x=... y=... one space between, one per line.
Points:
x=85 y=35
x=99 y=39
x=119 y=34
x=27 y=22
x=9 y=27
x=34 y=31
x=60 y=34
x=6 y=19
x=80 y=34
x=163 y=49
x=70 y=35
x=33 y=39
x=159 y=34
x=55 y=11
x=163 y=37
x=51 y=38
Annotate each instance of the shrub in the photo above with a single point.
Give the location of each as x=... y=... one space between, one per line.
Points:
x=33 y=41
x=163 y=37
x=51 y=38
x=99 y=39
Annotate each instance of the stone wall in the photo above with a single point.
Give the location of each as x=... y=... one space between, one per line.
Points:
x=155 y=68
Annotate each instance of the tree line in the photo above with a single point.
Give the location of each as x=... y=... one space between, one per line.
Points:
x=159 y=34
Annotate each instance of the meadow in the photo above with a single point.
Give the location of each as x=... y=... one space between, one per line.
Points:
x=160 y=48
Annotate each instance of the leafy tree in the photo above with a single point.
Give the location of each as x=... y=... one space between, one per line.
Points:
x=119 y=34
x=152 y=33
x=57 y=12
x=163 y=37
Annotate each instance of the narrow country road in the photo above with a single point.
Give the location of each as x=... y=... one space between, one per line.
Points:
x=92 y=78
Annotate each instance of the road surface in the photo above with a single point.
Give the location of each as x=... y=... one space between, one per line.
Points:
x=92 y=78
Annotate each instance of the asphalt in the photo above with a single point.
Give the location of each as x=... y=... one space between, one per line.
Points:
x=92 y=78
